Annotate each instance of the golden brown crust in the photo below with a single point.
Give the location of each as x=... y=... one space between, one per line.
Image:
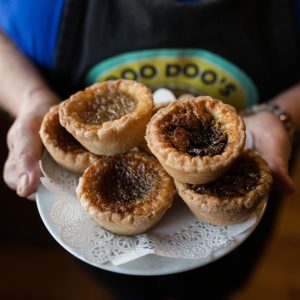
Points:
x=112 y=136
x=197 y=169
x=143 y=145
x=136 y=215
x=233 y=210
x=64 y=149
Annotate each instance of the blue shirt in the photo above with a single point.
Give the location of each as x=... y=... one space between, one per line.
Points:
x=33 y=25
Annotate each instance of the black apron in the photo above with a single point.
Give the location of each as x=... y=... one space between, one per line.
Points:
x=259 y=37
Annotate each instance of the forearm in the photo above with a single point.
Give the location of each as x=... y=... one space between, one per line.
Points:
x=26 y=96
x=22 y=89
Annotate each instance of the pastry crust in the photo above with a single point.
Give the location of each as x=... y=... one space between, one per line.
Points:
x=143 y=145
x=229 y=210
x=126 y=194
x=62 y=146
x=121 y=111
x=197 y=169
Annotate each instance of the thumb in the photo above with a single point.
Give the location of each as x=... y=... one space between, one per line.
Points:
x=25 y=155
x=29 y=178
x=28 y=171
x=282 y=181
x=20 y=174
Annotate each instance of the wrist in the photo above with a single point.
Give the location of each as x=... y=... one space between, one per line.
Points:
x=277 y=111
x=289 y=102
x=37 y=102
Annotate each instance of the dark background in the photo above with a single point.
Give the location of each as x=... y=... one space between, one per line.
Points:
x=34 y=266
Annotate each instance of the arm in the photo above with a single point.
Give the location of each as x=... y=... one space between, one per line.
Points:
x=25 y=95
x=272 y=140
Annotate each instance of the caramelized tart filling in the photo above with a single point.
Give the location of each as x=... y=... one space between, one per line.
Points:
x=193 y=134
x=123 y=185
x=106 y=107
x=63 y=139
x=241 y=178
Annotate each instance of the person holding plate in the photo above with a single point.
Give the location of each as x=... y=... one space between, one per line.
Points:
x=214 y=48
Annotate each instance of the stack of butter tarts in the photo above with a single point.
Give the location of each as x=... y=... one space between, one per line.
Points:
x=198 y=143
x=93 y=132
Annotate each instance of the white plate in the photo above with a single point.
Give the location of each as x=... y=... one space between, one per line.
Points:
x=150 y=264
x=178 y=222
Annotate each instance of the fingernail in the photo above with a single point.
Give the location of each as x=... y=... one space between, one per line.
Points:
x=22 y=184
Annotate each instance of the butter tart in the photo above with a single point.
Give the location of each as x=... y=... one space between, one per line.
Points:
x=232 y=197
x=196 y=139
x=62 y=146
x=143 y=145
x=127 y=193
x=109 y=117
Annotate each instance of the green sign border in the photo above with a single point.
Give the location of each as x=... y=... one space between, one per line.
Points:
x=237 y=73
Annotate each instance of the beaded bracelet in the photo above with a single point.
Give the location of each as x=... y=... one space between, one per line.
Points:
x=276 y=110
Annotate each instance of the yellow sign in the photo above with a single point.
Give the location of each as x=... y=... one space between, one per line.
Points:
x=197 y=72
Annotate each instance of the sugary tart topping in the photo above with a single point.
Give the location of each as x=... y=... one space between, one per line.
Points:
x=67 y=142
x=125 y=183
x=193 y=134
x=62 y=138
x=241 y=178
x=108 y=106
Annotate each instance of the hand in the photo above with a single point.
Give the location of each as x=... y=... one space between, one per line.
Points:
x=21 y=170
x=272 y=141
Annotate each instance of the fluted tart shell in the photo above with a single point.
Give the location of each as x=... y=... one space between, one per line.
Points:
x=62 y=146
x=197 y=113
x=109 y=117
x=234 y=196
x=126 y=194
